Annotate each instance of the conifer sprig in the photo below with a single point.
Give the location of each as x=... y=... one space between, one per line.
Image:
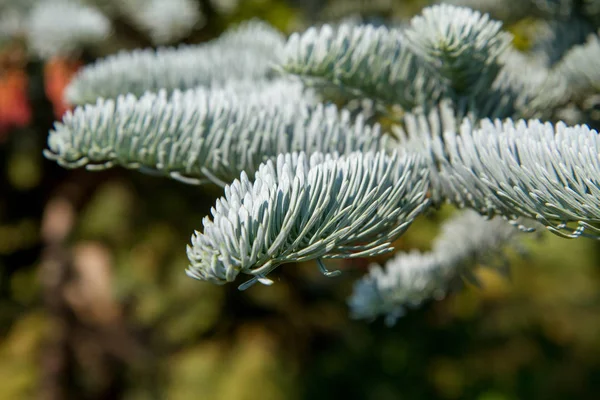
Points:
x=300 y=208
x=462 y=45
x=246 y=52
x=362 y=60
x=544 y=172
x=205 y=135
x=465 y=242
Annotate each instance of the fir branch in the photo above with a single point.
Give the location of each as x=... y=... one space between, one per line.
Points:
x=449 y=52
x=61 y=27
x=204 y=134
x=544 y=172
x=300 y=209
x=461 y=44
x=409 y=279
x=364 y=61
x=246 y=52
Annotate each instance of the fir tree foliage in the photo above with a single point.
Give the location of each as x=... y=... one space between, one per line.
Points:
x=447 y=52
x=466 y=241
x=460 y=44
x=246 y=52
x=523 y=169
x=306 y=180
x=300 y=208
x=204 y=134
x=363 y=61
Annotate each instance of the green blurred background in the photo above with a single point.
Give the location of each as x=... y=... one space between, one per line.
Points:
x=95 y=304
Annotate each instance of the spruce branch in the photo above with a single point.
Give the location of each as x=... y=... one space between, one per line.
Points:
x=245 y=52
x=300 y=208
x=206 y=135
x=523 y=169
x=466 y=241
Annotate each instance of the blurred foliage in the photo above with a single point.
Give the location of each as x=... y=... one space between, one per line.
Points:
x=138 y=328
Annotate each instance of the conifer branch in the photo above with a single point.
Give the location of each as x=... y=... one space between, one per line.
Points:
x=447 y=52
x=523 y=169
x=246 y=52
x=300 y=208
x=466 y=241
x=206 y=135
x=461 y=44
x=305 y=180
x=364 y=61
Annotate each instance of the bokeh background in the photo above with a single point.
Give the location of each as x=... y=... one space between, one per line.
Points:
x=95 y=304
